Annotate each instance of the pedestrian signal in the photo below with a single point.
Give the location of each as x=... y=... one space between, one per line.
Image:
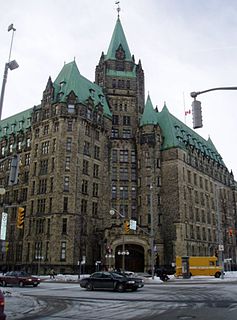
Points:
x=126 y=226
x=20 y=217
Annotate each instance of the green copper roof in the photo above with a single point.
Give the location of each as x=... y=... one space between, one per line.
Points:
x=16 y=123
x=70 y=79
x=176 y=134
x=118 y=38
x=149 y=114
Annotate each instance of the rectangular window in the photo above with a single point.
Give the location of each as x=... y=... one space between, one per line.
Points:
x=69 y=144
x=64 y=226
x=123 y=155
x=115 y=133
x=114 y=155
x=63 y=251
x=84 y=187
x=65 y=204
x=126 y=133
x=94 y=209
x=86 y=148
x=123 y=172
x=97 y=152
x=67 y=163
x=126 y=120
x=71 y=108
x=66 y=184
x=85 y=167
x=96 y=171
x=95 y=189
x=43 y=167
x=69 y=125
x=115 y=119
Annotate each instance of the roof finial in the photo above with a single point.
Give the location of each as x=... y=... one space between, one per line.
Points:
x=118 y=8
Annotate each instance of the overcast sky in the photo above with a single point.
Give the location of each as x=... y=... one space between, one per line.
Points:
x=184 y=46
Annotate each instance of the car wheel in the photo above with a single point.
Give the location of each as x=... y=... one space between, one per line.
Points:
x=134 y=289
x=35 y=285
x=4 y=284
x=89 y=286
x=120 y=287
x=217 y=275
x=21 y=284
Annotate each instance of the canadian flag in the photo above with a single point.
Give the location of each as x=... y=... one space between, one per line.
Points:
x=187 y=112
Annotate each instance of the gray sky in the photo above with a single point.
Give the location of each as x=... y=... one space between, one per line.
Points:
x=184 y=46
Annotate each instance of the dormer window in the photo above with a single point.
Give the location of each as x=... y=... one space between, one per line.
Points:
x=13 y=127
x=92 y=92
x=11 y=148
x=101 y=98
x=71 y=108
x=4 y=131
x=20 y=125
x=61 y=84
x=2 y=151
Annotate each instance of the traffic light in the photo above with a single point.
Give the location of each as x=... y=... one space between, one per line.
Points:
x=197 y=114
x=126 y=226
x=13 y=176
x=20 y=217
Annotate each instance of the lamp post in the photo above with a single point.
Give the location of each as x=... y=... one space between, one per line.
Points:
x=220 y=233
x=112 y=212
x=8 y=65
x=110 y=257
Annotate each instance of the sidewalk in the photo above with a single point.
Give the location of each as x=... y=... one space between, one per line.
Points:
x=17 y=305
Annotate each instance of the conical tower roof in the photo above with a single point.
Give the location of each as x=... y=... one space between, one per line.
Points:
x=118 y=41
x=149 y=115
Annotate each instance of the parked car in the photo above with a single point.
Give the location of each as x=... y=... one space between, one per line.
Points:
x=105 y=280
x=2 y=305
x=19 y=278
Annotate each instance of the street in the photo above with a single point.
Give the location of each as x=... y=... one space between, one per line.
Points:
x=176 y=299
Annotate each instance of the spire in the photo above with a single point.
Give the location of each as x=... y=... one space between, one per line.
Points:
x=118 y=48
x=149 y=115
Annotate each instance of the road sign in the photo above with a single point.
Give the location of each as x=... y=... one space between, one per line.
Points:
x=133 y=225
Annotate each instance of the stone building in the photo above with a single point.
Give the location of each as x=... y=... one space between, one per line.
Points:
x=94 y=156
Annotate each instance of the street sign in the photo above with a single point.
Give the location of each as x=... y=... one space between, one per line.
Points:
x=3 y=226
x=221 y=247
x=133 y=225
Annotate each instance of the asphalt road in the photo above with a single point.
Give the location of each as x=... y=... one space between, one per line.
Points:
x=182 y=300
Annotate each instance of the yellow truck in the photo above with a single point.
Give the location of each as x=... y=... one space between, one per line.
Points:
x=199 y=266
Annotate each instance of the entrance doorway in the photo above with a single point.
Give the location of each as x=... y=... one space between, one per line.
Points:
x=134 y=261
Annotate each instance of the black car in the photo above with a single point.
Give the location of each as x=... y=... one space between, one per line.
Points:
x=104 y=280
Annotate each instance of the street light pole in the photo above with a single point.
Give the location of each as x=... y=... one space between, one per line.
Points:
x=9 y=65
x=152 y=232
x=220 y=233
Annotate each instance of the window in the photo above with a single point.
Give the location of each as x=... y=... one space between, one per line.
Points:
x=42 y=186
x=46 y=130
x=123 y=156
x=67 y=163
x=43 y=166
x=63 y=251
x=114 y=155
x=97 y=152
x=69 y=126
x=85 y=167
x=45 y=147
x=126 y=133
x=28 y=142
x=115 y=133
x=88 y=130
x=115 y=119
x=126 y=120
x=41 y=205
x=123 y=173
x=114 y=192
x=65 y=204
x=64 y=226
x=96 y=171
x=27 y=159
x=71 y=108
x=69 y=144
x=84 y=187
x=66 y=184
x=86 y=148
x=95 y=189
x=94 y=209
x=83 y=206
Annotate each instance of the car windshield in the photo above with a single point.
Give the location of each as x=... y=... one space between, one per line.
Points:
x=118 y=275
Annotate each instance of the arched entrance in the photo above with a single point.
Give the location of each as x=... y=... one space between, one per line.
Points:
x=134 y=261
